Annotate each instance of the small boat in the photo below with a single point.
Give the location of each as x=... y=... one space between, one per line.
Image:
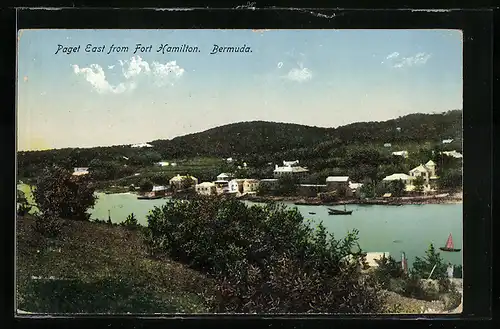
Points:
x=149 y=196
x=145 y=197
x=312 y=213
x=332 y=211
x=449 y=245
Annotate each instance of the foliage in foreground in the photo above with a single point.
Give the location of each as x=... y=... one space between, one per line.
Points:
x=264 y=259
x=64 y=196
x=415 y=284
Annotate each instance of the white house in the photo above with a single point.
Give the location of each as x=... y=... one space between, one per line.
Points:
x=387 y=145
x=205 y=188
x=404 y=154
x=454 y=154
x=142 y=145
x=406 y=179
x=234 y=186
x=296 y=171
x=80 y=171
x=427 y=171
x=447 y=141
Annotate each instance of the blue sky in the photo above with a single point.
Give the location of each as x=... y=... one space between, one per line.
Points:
x=323 y=78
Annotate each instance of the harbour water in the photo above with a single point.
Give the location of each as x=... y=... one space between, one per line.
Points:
x=407 y=228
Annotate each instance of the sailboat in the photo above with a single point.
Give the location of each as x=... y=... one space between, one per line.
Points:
x=449 y=245
x=332 y=211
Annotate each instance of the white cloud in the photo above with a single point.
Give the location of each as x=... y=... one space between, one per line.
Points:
x=131 y=69
x=399 y=62
x=300 y=74
x=96 y=77
x=163 y=72
x=393 y=55
x=134 y=67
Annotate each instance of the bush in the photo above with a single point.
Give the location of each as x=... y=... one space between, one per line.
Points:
x=264 y=258
x=146 y=185
x=59 y=194
x=131 y=222
x=451 y=300
x=388 y=268
x=47 y=225
x=423 y=266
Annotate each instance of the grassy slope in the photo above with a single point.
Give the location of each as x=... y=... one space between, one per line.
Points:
x=105 y=269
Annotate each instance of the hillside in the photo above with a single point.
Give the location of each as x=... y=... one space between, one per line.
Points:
x=259 y=143
x=100 y=268
x=269 y=137
x=245 y=138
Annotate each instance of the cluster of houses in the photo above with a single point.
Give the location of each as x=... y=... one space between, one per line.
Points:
x=426 y=171
x=227 y=184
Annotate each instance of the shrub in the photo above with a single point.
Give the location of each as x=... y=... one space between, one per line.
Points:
x=146 y=185
x=423 y=266
x=59 y=194
x=264 y=258
x=451 y=300
x=47 y=225
x=388 y=268
x=131 y=222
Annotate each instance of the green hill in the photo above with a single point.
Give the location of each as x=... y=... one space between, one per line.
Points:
x=259 y=143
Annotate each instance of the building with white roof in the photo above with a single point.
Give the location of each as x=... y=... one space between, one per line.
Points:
x=142 y=145
x=295 y=171
x=454 y=154
x=404 y=154
x=78 y=171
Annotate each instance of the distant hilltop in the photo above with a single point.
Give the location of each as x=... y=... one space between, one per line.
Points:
x=270 y=137
x=263 y=137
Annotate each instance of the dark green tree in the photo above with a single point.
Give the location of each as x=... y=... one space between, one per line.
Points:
x=264 y=259
x=287 y=185
x=62 y=195
x=146 y=185
x=422 y=267
x=397 y=188
x=450 y=180
x=419 y=183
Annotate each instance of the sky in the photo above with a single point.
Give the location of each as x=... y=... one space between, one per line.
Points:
x=324 y=78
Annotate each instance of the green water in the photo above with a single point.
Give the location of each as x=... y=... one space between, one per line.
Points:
x=408 y=228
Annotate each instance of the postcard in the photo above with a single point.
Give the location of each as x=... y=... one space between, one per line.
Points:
x=239 y=171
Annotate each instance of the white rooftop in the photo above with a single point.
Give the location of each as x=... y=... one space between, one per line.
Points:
x=399 y=176
x=142 y=145
x=337 y=178
x=206 y=184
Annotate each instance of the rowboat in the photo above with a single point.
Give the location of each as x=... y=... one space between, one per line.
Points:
x=449 y=245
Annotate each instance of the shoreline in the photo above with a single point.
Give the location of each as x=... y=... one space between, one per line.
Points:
x=314 y=201
x=444 y=198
